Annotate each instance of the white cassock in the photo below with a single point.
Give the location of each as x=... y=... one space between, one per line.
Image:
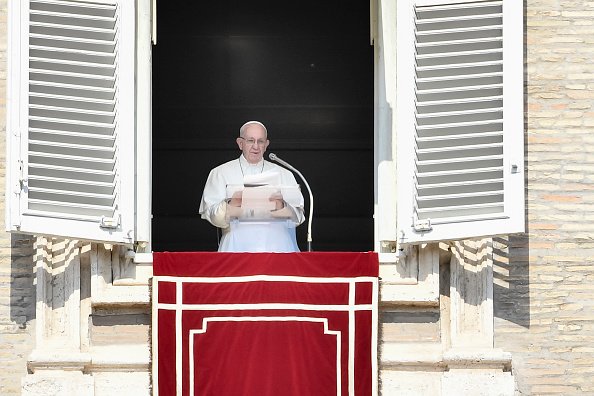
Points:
x=215 y=209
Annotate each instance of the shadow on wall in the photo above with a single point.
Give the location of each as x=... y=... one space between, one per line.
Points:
x=511 y=280
x=22 y=275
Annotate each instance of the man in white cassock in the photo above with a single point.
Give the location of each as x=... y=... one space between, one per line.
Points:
x=247 y=230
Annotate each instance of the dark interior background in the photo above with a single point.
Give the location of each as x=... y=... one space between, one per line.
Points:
x=304 y=69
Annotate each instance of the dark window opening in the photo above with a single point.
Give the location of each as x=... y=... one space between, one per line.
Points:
x=304 y=69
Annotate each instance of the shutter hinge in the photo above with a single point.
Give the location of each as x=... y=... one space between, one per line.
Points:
x=422 y=225
x=110 y=222
x=22 y=184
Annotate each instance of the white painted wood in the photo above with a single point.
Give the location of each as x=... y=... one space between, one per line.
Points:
x=385 y=182
x=144 y=120
x=71 y=161
x=460 y=121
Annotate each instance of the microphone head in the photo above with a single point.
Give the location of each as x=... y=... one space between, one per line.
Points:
x=272 y=156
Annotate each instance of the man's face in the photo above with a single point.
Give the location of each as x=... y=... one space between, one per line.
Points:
x=254 y=143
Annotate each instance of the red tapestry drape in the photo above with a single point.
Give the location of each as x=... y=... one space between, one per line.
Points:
x=265 y=323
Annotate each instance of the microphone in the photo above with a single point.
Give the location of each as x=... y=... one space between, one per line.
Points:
x=274 y=157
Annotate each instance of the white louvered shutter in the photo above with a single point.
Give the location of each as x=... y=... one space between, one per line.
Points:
x=71 y=119
x=460 y=119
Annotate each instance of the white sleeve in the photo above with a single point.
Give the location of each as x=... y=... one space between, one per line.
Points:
x=213 y=206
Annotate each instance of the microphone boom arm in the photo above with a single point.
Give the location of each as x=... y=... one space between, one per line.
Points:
x=274 y=157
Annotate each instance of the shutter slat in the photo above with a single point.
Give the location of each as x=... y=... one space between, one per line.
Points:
x=71 y=161
x=72 y=54
x=435 y=200
x=60 y=137
x=64 y=183
x=466 y=45
x=55 y=108
x=455 y=151
x=451 y=82
x=460 y=65
x=72 y=43
x=81 y=123
x=460 y=160
x=81 y=150
x=81 y=175
x=82 y=20
x=57 y=101
x=463 y=124
x=70 y=90
x=483 y=184
x=462 y=100
x=468 y=76
x=451 y=59
x=65 y=27
x=453 y=35
x=457 y=54
x=471 y=213
x=459 y=164
x=459 y=118
x=458 y=93
x=76 y=211
x=80 y=197
x=70 y=7
x=457 y=176
x=457 y=107
x=73 y=77
x=76 y=67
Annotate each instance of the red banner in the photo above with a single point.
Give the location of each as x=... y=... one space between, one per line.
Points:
x=265 y=323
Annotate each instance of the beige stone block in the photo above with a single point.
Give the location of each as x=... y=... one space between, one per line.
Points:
x=580 y=95
x=560 y=350
x=576 y=318
x=565 y=246
x=574 y=279
x=548 y=278
x=539 y=330
x=550 y=13
x=582 y=370
x=546 y=23
x=542 y=3
x=568 y=327
x=577 y=14
x=548 y=389
x=535 y=372
x=574 y=338
x=571 y=307
x=547 y=381
x=575 y=86
x=583 y=350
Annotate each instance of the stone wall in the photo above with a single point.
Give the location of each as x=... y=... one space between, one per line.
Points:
x=17 y=292
x=544 y=281
x=17 y=309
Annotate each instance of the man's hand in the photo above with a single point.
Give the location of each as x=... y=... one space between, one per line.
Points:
x=278 y=198
x=236 y=199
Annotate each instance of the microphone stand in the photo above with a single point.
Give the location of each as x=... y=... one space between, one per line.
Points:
x=273 y=157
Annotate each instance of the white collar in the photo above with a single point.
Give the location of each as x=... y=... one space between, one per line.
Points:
x=246 y=163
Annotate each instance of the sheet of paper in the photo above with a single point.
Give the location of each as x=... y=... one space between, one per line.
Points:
x=257 y=198
x=270 y=177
